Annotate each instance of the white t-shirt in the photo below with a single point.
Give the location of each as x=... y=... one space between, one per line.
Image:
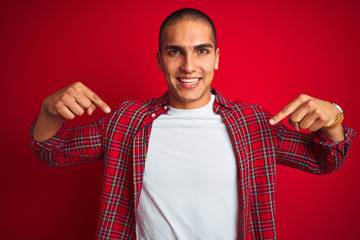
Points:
x=190 y=185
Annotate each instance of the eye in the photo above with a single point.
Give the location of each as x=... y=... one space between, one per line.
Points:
x=174 y=52
x=203 y=51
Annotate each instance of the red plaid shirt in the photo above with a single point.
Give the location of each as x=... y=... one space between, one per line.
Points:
x=121 y=140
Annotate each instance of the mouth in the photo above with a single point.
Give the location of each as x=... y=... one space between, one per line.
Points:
x=188 y=82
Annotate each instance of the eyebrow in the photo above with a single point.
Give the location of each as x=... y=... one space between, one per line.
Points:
x=176 y=47
x=205 y=45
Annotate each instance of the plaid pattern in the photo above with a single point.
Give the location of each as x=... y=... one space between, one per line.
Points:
x=122 y=138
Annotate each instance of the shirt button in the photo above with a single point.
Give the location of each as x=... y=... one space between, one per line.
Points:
x=166 y=107
x=153 y=115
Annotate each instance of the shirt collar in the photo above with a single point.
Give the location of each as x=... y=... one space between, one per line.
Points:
x=163 y=101
x=220 y=99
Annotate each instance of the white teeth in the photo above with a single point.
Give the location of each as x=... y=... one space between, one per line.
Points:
x=189 y=80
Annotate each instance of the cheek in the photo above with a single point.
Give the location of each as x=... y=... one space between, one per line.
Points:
x=209 y=67
x=170 y=68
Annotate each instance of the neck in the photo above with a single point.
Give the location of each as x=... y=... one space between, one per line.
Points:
x=180 y=103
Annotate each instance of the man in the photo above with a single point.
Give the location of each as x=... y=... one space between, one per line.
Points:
x=210 y=162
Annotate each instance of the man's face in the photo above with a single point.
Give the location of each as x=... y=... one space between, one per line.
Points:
x=188 y=59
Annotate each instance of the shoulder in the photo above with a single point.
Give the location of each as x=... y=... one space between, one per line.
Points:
x=241 y=109
x=129 y=116
x=249 y=110
x=136 y=108
x=130 y=108
x=254 y=118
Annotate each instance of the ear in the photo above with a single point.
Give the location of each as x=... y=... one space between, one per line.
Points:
x=158 y=59
x=217 y=55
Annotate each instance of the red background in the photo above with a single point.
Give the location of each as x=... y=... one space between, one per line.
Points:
x=271 y=51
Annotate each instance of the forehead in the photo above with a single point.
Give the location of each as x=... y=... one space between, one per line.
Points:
x=188 y=32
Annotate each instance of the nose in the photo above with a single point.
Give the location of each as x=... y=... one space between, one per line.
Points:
x=188 y=64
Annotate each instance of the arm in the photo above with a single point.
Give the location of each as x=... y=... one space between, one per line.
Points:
x=311 y=152
x=71 y=145
x=56 y=144
x=322 y=151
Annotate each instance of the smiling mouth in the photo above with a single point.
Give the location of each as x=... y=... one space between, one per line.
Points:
x=188 y=81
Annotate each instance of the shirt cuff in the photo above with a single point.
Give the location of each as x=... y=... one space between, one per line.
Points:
x=51 y=143
x=332 y=146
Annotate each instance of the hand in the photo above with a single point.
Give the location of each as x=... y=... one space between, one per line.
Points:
x=67 y=103
x=73 y=101
x=306 y=112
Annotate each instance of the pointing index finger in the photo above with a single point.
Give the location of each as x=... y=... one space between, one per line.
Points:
x=97 y=101
x=289 y=109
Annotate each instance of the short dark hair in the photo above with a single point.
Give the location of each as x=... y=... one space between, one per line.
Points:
x=188 y=14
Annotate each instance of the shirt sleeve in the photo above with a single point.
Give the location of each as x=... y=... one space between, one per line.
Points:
x=311 y=152
x=71 y=145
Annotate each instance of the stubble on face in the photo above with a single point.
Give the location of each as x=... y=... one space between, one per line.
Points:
x=188 y=58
